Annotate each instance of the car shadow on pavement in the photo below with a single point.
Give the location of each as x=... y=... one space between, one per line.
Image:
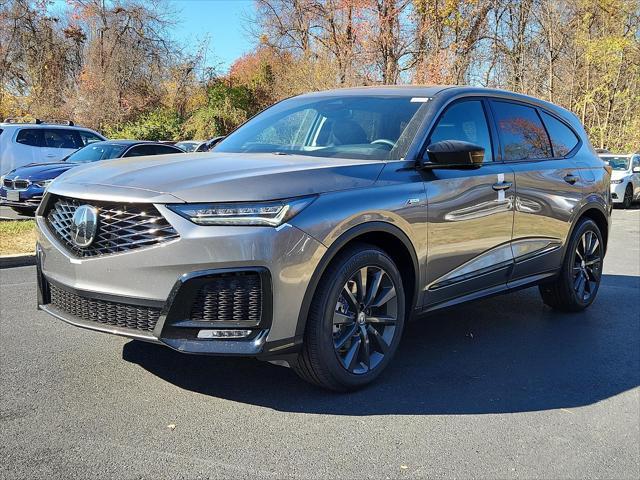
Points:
x=504 y=354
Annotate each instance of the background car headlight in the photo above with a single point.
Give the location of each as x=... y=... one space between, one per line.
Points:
x=270 y=214
x=43 y=183
x=616 y=182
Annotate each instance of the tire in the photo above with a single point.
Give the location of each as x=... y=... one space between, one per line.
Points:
x=628 y=196
x=25 y=212
x=576 y=286
x=349 y=340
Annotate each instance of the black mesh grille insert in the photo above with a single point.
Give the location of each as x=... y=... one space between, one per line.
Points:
x=108 y=313
x=121 y=227
x=230 y=298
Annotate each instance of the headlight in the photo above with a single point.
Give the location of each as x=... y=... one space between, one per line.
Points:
x=269 y=214
x=43 y=183
x=616 y=182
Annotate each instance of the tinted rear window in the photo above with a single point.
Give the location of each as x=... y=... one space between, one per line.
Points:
x=521 y=132
x=563 y=140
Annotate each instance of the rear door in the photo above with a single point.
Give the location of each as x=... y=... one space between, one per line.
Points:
x=470 y=212
x=548 y=184
x=60 y=142
x=27 y=147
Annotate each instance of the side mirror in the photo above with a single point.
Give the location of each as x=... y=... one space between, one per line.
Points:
x=636 y=170
x=453 y=154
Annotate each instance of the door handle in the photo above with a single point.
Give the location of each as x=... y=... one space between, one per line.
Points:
x=501 y=186
x=570 y=178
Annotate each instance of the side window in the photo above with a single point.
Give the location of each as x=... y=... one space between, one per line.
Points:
x=467 y=122
x=141 y=150
x=61 y=138
x=165 y=150
x=563 y=140
x=88 y=137
x=30 y=136
x=636 y=162
x=521 y=132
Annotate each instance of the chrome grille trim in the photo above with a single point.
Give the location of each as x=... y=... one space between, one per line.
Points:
x=16 y=184
x=121 y=227
x=133 y=317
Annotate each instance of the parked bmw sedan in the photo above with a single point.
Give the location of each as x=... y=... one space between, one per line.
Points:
x=315 y=231
x=625 y=178
x=22 y=188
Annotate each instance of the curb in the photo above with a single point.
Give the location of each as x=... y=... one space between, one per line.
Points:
x=23 y=260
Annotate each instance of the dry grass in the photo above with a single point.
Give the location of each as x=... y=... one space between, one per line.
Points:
x=17 y=237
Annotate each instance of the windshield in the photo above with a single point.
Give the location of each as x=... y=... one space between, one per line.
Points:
x=96 y=151
x=187 y=146
x=618 y=163
x=359 y=127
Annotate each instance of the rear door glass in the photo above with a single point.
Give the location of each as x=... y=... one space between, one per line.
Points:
x=61 y=138
x=521 y=132
x=563 y=140
x=30 y=136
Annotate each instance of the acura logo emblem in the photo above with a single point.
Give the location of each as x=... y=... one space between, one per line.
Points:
x=84 y=225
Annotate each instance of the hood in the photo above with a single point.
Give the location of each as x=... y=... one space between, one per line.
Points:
x=226 y=177
x=41 y=171
x=618 y=174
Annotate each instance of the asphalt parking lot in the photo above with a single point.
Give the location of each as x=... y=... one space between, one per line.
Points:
x=500 y=388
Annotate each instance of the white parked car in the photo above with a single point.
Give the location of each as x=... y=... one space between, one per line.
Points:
x=625 y=177
x=40 y=142
x=189 y=145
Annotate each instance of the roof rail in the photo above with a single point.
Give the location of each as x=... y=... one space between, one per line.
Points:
x=39 y=121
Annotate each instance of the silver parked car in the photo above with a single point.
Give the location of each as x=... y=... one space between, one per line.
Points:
x=314 y=232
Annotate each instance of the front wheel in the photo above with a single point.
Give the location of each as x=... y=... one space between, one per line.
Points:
x=355 y=320
x=576 y=286
x=628 y=197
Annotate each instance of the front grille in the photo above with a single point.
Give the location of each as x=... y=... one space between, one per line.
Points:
x=107 y=313
x=121 y=227
x=233 y=298
x=16 y=184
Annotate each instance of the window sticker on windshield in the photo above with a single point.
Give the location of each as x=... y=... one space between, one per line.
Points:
x=419 y=99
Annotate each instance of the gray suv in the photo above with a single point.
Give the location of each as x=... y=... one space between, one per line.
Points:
x=314 y=232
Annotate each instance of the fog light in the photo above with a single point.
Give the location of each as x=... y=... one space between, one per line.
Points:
x=223 y=333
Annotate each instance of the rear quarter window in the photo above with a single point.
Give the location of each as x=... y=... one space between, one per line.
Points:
x=563 y=139
x=521 y=131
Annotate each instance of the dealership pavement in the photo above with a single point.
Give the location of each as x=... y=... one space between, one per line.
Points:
x=501 y=388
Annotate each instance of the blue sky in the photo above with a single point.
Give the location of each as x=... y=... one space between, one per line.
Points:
x=222 y=21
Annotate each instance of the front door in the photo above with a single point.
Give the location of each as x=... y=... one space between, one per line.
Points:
x=470 y=213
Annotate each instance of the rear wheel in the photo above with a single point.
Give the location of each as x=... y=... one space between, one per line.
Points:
x=577 y=284
x=628 y=197
x=355 y=320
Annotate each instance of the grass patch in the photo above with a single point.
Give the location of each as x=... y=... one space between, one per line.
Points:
x=17 y=236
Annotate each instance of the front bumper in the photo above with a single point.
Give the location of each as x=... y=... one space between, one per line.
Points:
x=617 y=192
x=157 y=278
x=29 y=198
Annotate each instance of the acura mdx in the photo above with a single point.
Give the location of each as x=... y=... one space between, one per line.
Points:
x=312 y=234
